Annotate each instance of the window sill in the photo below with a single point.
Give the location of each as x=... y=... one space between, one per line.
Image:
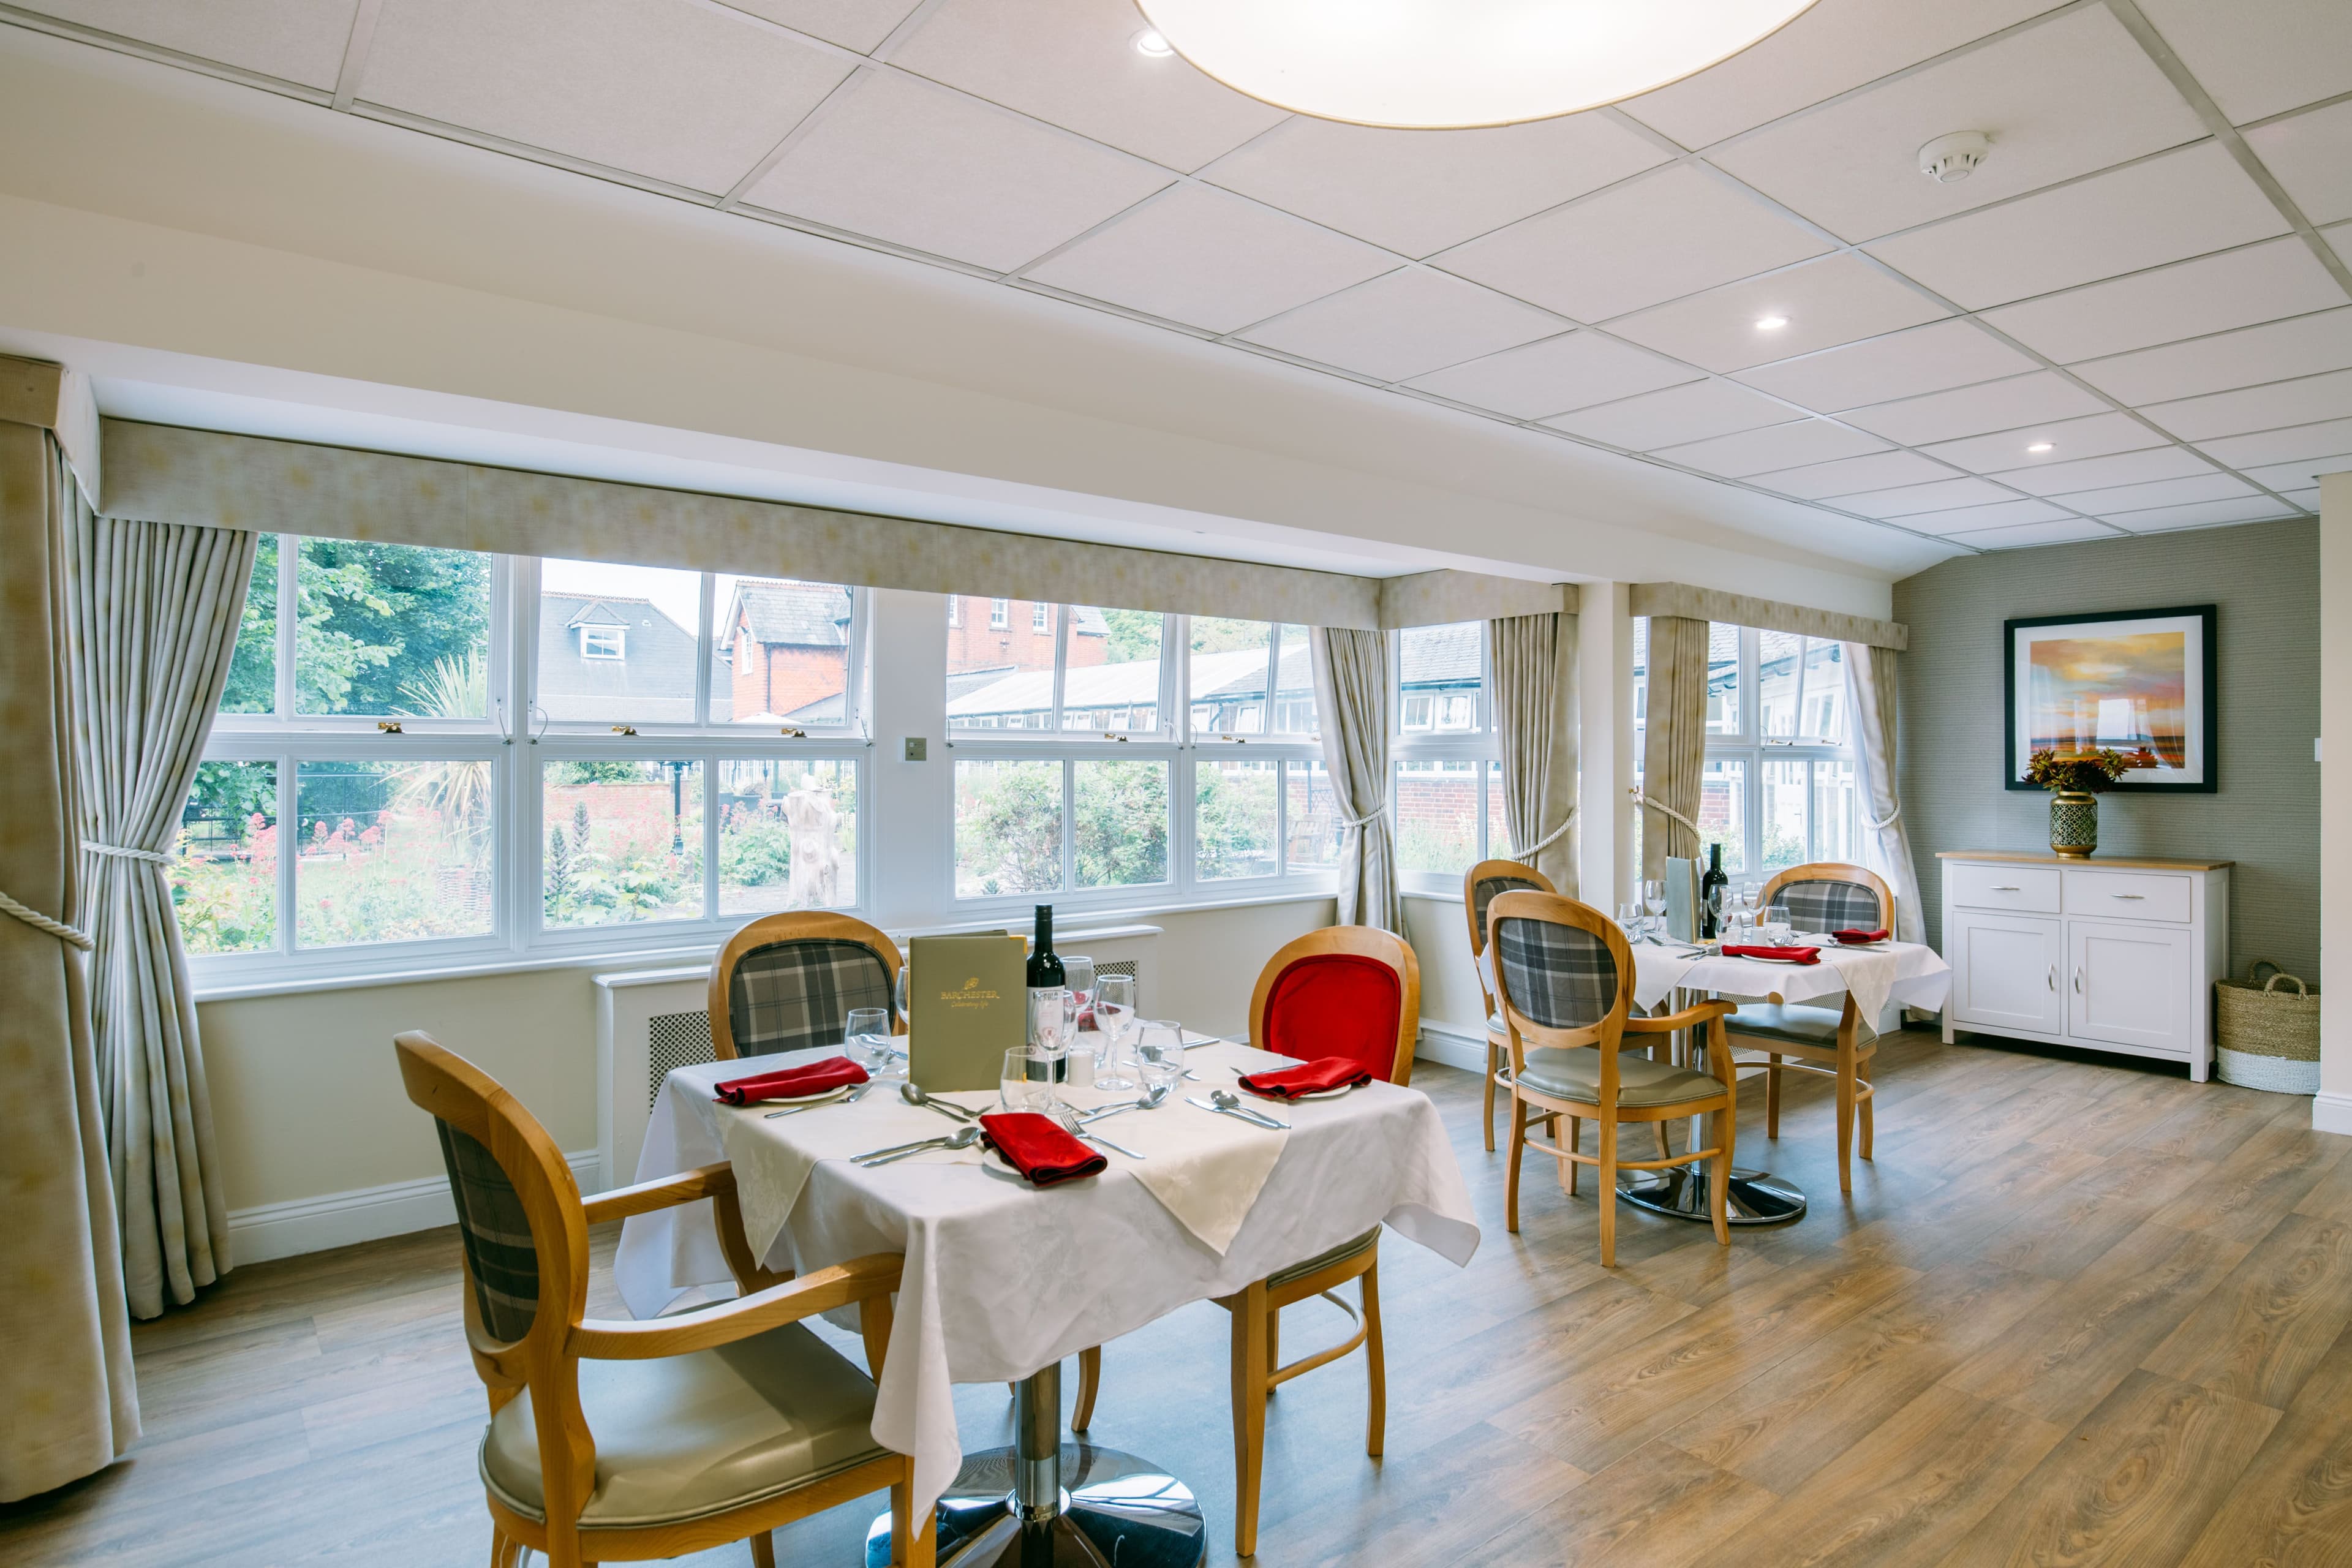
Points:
x=1090 y=925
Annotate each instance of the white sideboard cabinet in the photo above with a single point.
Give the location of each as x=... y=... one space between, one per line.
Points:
x=2111 y=954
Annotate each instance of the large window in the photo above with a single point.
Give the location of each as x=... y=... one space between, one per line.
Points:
x=1778 y=789
x=438 y=752
x=1448 y=788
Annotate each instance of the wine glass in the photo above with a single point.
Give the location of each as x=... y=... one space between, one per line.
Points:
x=1079 y=975
x=1629 y=918
x=1653 y=903
x=867 y=1033
x=1113 y=1013
x=902 y=994
x=1160 y=1053
x=1050 y=1014
x=1777 y=927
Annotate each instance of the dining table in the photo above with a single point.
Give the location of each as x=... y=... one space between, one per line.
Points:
x=1004 y=1280
x=1875 y=974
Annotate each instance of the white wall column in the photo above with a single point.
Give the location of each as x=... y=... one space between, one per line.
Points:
x=2332 y=1111
x=1604 y=700
x=914 y=802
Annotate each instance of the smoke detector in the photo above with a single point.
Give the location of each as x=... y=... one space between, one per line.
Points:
x=1949 y=158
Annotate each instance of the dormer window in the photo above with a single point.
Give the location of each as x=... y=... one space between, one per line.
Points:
x=604 y=642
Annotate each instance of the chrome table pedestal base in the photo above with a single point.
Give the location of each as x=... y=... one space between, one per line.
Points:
x=1044 y=1503
x=1754 y=1197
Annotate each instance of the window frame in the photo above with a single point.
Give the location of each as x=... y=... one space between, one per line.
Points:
x=620 y=643
x=1474 y=743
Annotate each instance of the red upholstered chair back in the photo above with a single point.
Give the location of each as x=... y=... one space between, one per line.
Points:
x=1346 y=991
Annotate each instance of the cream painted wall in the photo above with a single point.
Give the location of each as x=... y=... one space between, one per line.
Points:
x=307 y=1099
x=2332 y=1111
x=1450 y=996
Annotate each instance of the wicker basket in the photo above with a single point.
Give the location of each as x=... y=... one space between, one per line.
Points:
x=2268 y=1039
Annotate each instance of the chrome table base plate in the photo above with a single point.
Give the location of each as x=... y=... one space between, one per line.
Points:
x=1116 y=1511
x=1754 y=1197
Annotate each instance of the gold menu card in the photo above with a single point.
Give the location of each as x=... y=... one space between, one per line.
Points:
x=969 y=1004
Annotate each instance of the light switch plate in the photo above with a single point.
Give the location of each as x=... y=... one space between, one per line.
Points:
x=918 y=749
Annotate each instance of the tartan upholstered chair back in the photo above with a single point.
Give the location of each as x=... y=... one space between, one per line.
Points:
x=1831 y=896
x=786 y=983
x=1481 y=885
x=1563 y=974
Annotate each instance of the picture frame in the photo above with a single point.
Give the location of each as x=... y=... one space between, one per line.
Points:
x=2142 y=682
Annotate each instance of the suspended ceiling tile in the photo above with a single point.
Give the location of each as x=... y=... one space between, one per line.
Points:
x=1834 y=301
x=2256 y=58
x=1836 y=46
x=2277 y=350
x=859 y=25
x=2170 y=207
x=2065 y=531
x=1774 y=447
x=1980 y=519
x=2303 y=402
x=1074 y=62
x=1678 y=415
x=1417 y=192
x=2093 y=435
x=2162 y=492
x=2203 y=515
x=1942 y=495
x=659 y=87
x=1210 y=259
x=1977 y=410
x=2096 y=473
x=2190 y=299
x=916 y=164
x=1649 y=239
x=2291 y=478
x=2059 y=101
x=2312 y=156
x=1850 y=476
x=1409 y=322
x=2295 y=443
x=1574 y=370
x=293 y=40
x=1898 y=364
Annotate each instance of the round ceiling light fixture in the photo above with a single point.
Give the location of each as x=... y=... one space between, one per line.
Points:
x=1441 y=65
x=1150 y=42
x=1770 y=324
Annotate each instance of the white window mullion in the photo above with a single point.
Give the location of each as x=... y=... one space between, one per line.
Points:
x=706 y=646
x=711 y=765
x=1069 y=813
x=289 y=547
x=289 y=847
x=1061 y=664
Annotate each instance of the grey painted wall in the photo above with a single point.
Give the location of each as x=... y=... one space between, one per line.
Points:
x=2266 y=578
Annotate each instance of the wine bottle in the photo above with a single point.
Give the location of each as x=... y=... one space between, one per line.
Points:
x=1711 y=888
x=1046 y=972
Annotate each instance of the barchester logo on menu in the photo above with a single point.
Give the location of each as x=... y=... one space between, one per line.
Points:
x=970 y=995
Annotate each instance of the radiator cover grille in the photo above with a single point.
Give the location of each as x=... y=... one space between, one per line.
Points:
x=674 y=1040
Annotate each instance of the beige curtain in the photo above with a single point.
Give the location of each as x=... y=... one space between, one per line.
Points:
x=154 y=621
x=1674 y=754
x=1532 y=660
x=1870 y=694
x=66 y=1385
x=1351 y=691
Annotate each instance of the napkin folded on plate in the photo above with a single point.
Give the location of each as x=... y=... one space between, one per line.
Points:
x=1039 y=1147
x=790 y=1083
x=1314 y=1077
x=1777 y=954
x=1856 y=937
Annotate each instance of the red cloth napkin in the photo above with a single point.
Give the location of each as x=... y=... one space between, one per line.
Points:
x=1781 y=954
x=1038 y=1147
x=790 y=1083
x=1860 y=936
x=1314 y=1077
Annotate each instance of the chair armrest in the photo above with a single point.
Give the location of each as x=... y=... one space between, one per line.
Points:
x=685 y=1187
x=1687 y=1018
x=604 y=1339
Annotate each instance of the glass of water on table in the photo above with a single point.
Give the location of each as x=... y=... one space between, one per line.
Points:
x=866 y=1034
x=1114 y=1016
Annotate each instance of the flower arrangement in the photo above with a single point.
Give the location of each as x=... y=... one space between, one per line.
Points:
x=2090 y=772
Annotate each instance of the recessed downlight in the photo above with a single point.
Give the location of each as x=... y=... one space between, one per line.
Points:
x=2038 y=447
x=1150 y=42
x=1770 y=324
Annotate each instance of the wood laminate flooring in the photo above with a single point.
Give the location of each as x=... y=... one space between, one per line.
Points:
x=2078 y=1312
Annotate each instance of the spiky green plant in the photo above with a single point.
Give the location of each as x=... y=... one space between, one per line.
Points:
x=457 y=686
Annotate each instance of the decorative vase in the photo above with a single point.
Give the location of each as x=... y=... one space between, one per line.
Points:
x=2073 y=823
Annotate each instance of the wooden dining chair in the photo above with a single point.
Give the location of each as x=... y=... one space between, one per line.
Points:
x=1565 y=976
x=1830 y=1042
x=1480 y=884
x=1350 y=991
x=787 y=982
x=619 y=1441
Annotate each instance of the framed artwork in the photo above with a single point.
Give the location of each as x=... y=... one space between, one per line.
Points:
x=2136 y=681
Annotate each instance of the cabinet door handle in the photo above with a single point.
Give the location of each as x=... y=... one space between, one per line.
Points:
x=2006 y=888
x=2134 y=897
x=2078 y=982
x=2054 y=977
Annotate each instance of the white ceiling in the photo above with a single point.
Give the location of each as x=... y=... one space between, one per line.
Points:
x=2138 y=276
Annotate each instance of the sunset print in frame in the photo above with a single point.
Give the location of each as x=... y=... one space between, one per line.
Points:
x=2136 y=681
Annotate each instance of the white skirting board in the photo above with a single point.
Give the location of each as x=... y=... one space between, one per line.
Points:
x=2331 y=1112
x=1450 y=1046
x=365 y=1214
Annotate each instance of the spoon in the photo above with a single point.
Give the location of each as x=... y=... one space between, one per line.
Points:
x=913 y=1095
x=962 y=1137
x=1231 y=1103
x=1150 y=1099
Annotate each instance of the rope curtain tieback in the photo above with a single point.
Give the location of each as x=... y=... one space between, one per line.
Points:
x=1378 y=811
x=39 y=922
x=1878 y=826
x=152 y=856
x=1548 y=840
x=1641 y=799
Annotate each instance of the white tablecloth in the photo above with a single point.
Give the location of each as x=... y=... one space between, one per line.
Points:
x=1904 y=972
x=1001 y=1278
